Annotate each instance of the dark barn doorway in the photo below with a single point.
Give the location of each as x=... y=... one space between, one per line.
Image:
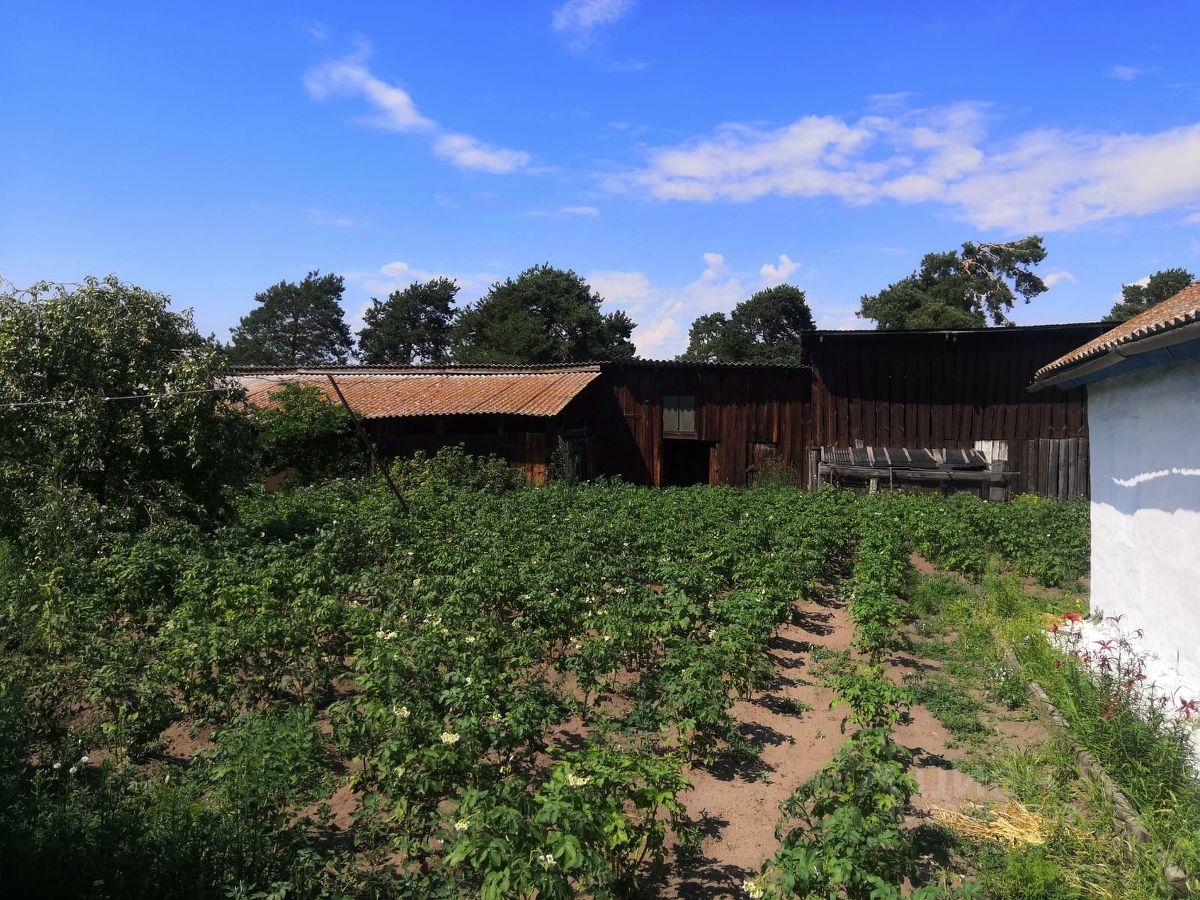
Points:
x=685 y=462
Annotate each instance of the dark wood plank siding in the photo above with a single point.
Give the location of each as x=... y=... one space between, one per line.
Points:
x=939 y=389
x=737 y=407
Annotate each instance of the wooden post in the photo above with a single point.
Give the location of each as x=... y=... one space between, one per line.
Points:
x=362 y=436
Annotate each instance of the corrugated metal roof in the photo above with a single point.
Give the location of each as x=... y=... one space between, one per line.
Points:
x=1174 y=312
x=443 y=392
x=983 y=329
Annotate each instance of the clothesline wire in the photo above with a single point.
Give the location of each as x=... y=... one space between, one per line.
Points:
x=16 y=404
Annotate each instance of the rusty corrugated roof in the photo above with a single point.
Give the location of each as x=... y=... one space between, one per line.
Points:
x=1174 y=312
x=441 y=392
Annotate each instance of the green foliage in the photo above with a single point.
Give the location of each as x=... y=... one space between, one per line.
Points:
x=961 y=289
x=1129 y=727
x=764 y=329
x=305 y=433
x=1137 y=298
x=930 y=595
x=544 y=315
x=564 y=464
x=949 y=703
x=77 y=463
x=453 y=469
x=1046 y=539
x=503 y=688
x=411 y=325
x=591 y=827
x=294 y=325
x=843 y=832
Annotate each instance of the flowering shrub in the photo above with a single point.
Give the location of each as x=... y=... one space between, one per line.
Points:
x=1142 y=735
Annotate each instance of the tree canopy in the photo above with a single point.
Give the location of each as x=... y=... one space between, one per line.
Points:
x=113 y=409
x=763 y=329
x=295 y=325
x=961 y=289
x=544 y=315
x=411 y=325
x=1137 y=298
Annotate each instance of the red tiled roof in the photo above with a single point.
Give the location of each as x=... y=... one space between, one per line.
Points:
x=1174 y=312
x=377 y=395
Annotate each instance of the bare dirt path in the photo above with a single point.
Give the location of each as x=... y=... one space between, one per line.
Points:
x=737 y=808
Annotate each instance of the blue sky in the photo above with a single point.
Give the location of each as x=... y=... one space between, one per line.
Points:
x=680 y=155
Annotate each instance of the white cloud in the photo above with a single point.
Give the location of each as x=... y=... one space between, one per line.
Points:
x=1053 y=278
x=773 y=275
x=649 y=339
x=394 y=110
x=468 y=152
x=1042 y=180
x=665 y=314
x=569 y=211
x=579 y=18
x=1125 y=73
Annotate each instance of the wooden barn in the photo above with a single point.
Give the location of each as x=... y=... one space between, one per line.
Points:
x=955 y=390
x=517 y=412
x=913 y=407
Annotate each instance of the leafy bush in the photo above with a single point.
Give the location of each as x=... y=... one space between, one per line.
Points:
x=452 y=468
x=73 y=458
x=306 y=436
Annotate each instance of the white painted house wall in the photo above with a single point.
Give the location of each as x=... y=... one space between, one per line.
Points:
x=1145 y=476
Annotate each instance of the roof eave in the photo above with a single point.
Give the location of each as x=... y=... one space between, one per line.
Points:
x=1086 y=370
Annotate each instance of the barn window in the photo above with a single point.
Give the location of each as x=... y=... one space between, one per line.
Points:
x=679 y=414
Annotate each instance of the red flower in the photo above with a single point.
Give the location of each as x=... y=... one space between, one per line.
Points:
x=1073 y=617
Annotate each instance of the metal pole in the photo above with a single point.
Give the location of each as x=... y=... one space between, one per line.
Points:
x=362 y=436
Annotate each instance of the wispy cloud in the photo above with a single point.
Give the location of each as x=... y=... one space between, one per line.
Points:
x=1041 y=180
x=394 y=110
x=1125 y=73
x=1053 y=278
x=568 y=211
x=665 y=313
x=469 y=152
x=580 y=18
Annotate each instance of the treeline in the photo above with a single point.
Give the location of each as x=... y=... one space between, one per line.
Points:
x=548 y=315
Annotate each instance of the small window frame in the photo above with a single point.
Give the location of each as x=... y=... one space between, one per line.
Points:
x=679 y=414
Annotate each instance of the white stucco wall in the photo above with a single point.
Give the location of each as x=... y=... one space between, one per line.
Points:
x=1145 y=479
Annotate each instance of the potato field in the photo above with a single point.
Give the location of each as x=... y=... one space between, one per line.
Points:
x=496 y=692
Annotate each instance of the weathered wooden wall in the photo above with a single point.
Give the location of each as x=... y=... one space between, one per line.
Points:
x=737 y=407
x=952 y=389
x=933 y=390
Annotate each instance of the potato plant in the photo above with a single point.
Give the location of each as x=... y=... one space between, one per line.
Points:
x=496 y=693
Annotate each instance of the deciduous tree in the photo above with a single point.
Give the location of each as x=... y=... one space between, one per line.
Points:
x=961 y=289
x=764 y=329
x=114 y=411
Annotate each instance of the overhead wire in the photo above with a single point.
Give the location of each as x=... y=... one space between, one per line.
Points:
x=17 y=404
